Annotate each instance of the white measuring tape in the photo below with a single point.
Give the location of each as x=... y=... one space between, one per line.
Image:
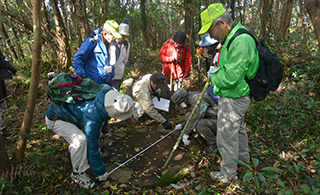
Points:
x=140 y=152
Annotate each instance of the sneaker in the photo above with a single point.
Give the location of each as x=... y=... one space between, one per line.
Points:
x=103 y=177
x=222 y=178
x=82 y=179
x=210 y=149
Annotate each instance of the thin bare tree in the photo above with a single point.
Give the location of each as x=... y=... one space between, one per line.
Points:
x=33 y=88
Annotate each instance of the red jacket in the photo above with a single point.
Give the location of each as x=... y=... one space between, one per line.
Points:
x=168 y=51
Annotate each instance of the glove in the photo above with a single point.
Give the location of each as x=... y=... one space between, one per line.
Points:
x=157 y=95
x=186 y=74
x=185 y=139
x=212 y=70
x=178 y=127
x=170 y=59
x=167 y=125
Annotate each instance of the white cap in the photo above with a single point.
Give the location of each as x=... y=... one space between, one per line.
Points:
x=124 y=29
x=118 y=105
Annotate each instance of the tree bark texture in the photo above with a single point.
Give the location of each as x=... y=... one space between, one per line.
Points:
x=285 y=18
x=33 y=89
x=144 y=23
x=313 y=9
x=188 y=16
x=265 y=17
x=64 y=57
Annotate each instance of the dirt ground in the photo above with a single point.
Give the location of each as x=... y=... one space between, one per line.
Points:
x=128 y=141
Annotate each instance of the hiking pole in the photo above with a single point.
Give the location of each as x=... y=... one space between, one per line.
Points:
x=141 y=152
x=199 y=71
x=185 y=127
x=171 y=82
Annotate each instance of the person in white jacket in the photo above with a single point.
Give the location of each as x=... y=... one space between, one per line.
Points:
x=124 y=50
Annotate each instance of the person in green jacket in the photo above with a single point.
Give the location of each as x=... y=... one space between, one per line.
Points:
x=239 y=61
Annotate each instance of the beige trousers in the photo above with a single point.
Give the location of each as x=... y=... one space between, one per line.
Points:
x=77 y=143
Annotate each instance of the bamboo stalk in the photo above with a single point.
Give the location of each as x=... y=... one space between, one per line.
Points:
x=171 y=83
x=185 y=127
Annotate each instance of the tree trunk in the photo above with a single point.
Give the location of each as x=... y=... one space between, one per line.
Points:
x=313 y=9
x=144 y=23
x=8 y=43
x=34 y=82
x=285 y=18
x=265 y=18
x=81 y=17
x=76 y=23
x=104 y=11
x=64 y=57
x=188 y=16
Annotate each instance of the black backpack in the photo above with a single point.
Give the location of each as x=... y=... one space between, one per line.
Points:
x=269 y=75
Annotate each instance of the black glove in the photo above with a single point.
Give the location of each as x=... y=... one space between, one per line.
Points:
x=157 y=95
x=167 y=125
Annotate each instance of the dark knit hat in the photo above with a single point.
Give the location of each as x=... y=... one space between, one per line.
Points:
x=180 y=37
x=159 y=79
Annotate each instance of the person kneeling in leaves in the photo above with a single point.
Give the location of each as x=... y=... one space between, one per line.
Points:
x=143 y=90
x=204 y=120
x=67 y=120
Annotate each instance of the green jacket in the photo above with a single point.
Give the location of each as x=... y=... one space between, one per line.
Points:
x=242 y=60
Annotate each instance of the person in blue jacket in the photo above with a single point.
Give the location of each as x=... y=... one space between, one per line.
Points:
x=92 y=59
x=79 y=124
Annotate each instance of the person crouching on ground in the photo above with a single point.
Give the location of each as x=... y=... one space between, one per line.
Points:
x=204 y=120
x=67 y=121
x=143 y=90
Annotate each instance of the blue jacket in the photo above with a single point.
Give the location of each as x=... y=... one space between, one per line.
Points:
x=91 y=59
x=89 y=116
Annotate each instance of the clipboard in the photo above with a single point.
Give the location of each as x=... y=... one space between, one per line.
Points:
x=163 y=104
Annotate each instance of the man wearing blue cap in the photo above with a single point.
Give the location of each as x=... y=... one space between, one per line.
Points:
x=239 y=61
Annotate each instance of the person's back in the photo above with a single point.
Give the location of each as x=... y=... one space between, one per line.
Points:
x=79 y=124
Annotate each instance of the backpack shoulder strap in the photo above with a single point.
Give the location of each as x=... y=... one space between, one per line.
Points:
x=239 y=32
x=95 y=41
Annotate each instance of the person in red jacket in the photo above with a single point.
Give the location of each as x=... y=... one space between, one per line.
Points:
x=176 y=57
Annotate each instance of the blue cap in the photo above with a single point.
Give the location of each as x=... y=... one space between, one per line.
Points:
x=207 y=41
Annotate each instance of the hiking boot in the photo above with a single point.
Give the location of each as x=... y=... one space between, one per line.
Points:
x=82 y=179
x=210 y=149
x=103 y=177
x=222 y=178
